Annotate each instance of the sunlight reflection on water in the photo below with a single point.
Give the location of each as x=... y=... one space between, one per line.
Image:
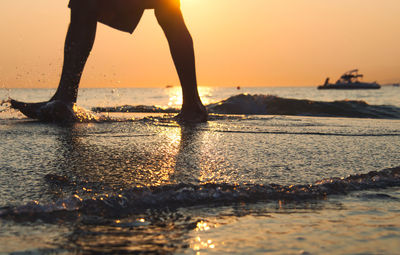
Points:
x=102 y=159
x=175 y=95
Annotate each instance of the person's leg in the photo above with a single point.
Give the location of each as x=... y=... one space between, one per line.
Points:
x=79 y=41
x=78 y=44
x=170 y=18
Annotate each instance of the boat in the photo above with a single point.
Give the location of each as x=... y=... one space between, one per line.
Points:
x=350 y=80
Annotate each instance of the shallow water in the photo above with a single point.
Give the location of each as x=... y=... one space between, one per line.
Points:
x=242 y=184
x=171 y=97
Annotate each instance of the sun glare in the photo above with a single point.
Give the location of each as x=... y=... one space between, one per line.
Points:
x=175 y=95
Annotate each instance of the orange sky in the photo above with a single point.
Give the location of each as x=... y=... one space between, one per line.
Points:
x=237 y=42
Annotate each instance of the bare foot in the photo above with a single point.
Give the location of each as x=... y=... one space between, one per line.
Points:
x=196 y=113
x=53 y=111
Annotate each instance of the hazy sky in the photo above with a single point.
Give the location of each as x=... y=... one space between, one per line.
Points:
x=237 y=42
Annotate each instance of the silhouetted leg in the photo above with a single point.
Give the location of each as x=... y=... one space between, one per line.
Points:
x=78 y=44
x=170 y=18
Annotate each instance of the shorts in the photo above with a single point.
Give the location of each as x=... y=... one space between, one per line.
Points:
x=123 y=15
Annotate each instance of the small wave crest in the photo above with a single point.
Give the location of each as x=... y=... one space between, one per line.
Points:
x=274 y=105
x=138 y=200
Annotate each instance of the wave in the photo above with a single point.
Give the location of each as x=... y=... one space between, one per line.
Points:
x=245 y=104
x=274 y=105
x=139 y=200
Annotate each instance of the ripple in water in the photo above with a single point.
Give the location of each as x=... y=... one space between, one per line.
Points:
x=138 y=200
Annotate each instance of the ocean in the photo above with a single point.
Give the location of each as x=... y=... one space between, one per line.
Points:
x=274 y=171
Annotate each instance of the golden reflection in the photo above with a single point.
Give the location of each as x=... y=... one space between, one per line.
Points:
x=202 y=226
x=208 y=173
x=83 y=115
x=198 y=244
x=205 y=94
x=170 y=154
x=169 y=149
x=173 y=136
x=175 y=95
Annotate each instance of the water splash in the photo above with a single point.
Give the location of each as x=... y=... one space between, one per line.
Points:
x=5 y=105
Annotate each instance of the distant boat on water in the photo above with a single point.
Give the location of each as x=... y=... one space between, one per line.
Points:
x=350 y=80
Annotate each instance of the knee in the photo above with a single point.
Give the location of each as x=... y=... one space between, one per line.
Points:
x=169 y=15
x=173 y=24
